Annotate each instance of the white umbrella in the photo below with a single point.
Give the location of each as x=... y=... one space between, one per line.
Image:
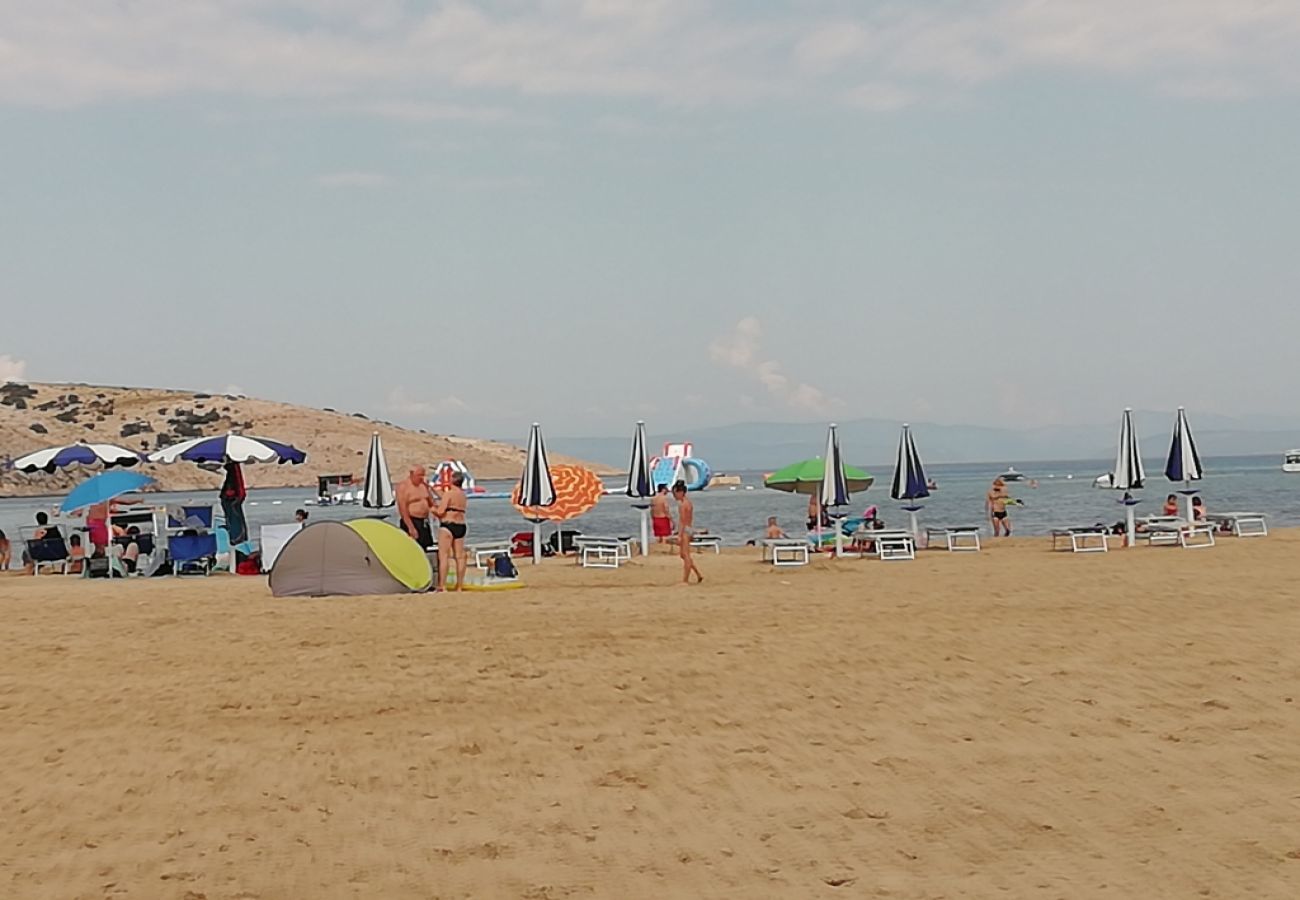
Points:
x=378 y=488
x=638 y=483
x=78 y=454
x=536 y=487
x=835 y=488
x=1184 y=463
x=909 y=482
x=1129 y=473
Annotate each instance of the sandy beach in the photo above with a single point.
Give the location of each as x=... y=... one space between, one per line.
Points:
x=1010 y=724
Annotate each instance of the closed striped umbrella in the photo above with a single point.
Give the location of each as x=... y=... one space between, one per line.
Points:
x=835 y=486
x=909 y=482
x=1129 y=473
x=638 y=483
x=377 y=492
x=1184 y=462
x=535 y=486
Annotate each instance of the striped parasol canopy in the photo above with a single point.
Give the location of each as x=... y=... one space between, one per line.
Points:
x=638 y=483
x=536 y=488
x=1184 y=462
x=909 y=482
x=378 y=490
x=229 y=447
x=577 y=490
x=1129 y=473
x=51 y=459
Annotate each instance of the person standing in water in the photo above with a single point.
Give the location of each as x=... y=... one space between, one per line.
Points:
x=996 y=505
x=450 y=513
x=661 y=518
x=685 y=532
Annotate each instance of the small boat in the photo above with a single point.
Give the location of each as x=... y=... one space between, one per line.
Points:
x=1292 y=461
x=1104 y=481
x=1011 y=474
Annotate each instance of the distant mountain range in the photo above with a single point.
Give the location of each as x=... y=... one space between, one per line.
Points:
x=874 y=442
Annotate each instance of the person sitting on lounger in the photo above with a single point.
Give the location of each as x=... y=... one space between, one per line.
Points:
x=76 y=555
x=1171 y=506
x=1198 y=510
x=774 y=532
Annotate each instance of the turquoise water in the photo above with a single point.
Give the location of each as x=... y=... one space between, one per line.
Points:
x=1253 y=483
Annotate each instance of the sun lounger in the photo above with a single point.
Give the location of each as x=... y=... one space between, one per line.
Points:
x=49 y=552
x=1173 y=530
x=1242 y=524
x=485 y=553
x=707 y=542
x=786 y=551
x=595 y=552
x=886 y=543
x=1085 y=539
x=966 y=537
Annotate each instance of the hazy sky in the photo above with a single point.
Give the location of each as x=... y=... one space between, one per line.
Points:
x=469 y=215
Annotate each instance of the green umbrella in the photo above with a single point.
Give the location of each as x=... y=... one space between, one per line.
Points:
x=806 y=478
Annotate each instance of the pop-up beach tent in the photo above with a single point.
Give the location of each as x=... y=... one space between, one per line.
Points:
x=349 y=559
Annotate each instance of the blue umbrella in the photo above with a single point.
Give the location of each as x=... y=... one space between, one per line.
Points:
x=536 y=487
x=103 y=488
x=1129 y=473
x=909 y=476
x=834 y=492
x=79 y=454
x=1184 y=462
x=229 y=447
x=638 y=483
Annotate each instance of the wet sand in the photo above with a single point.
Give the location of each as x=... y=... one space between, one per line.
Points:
x=1013 y=724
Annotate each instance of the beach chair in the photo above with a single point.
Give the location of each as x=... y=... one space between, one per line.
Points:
x=1241 y=524
x=1170 y=530
x=46 y=552
x=191 y=542
x=961 y=538
x=887 y=543
x=1084 y=539
x=485 y=553
x=786 y=551
x=706 y=542
x=596 y=552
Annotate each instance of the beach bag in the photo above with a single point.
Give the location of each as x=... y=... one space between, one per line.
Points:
x=503 y=566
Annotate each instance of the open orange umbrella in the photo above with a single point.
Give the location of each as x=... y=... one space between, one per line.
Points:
x=576 y=491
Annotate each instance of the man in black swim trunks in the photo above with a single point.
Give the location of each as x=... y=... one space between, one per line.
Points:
x=450 y=513
x=415 y=500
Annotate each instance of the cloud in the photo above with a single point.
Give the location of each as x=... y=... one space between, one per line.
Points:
x=353 y=180
x=741 y=349
x=12 y=369
x=459 y=60
x=400 y=402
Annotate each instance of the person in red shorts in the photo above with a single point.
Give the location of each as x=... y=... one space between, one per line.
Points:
x=661 y=520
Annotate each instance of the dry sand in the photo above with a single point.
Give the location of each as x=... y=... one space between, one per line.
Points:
x=1012 y=724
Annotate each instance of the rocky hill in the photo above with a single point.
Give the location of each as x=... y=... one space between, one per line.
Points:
x=33 y=416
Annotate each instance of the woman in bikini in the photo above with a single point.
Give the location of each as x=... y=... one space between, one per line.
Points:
x=450 y=513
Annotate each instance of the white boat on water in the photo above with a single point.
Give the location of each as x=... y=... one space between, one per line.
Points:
x=1012 y=475
x=1291 y=463
x=1104 y=481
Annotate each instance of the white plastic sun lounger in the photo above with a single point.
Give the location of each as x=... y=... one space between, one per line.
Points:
x=602 y=552
x=1088 y=539
x=707 y=542
x=485 y=553
x=1171 y=530
x=786 y=551
x=965 y=537
x=1242 y=524
x=888 y=543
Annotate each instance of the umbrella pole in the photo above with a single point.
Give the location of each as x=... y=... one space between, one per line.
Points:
x=645 y=532
x=1188 y=492
x=916 y=531
x=537 y=541
x=1131 y=526
x=839 y=539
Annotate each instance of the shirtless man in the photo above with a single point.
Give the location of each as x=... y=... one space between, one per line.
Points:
x=414 y=501
x=661 y=520
x=996 y=504
x=685 y=531
x=450 y=512
x=774 y=532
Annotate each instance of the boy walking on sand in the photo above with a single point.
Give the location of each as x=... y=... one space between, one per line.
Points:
x=685 y=532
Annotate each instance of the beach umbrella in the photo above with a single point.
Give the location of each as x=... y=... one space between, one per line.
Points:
x=1129 y=474
x=834 y=493
x=378 y=490
x=1184 y=463
x=638 y=483
x=536 y=489
x=806 y=477
x=229 y=447
x=65 y=456
x=909 y=482
x=103 y=488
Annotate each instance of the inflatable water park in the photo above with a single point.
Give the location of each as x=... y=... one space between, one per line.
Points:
x=679 y=463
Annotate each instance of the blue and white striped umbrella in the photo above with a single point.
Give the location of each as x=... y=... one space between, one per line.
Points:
x=909 y=482
x=835 y=486
x=52 y=459
x=1184 y=463
x=638 y=483
x=229 y=447
x=377 y=492
x=536 y=487
x=1129 y=473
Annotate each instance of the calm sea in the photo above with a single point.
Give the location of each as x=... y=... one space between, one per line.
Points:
x=1064 y=496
